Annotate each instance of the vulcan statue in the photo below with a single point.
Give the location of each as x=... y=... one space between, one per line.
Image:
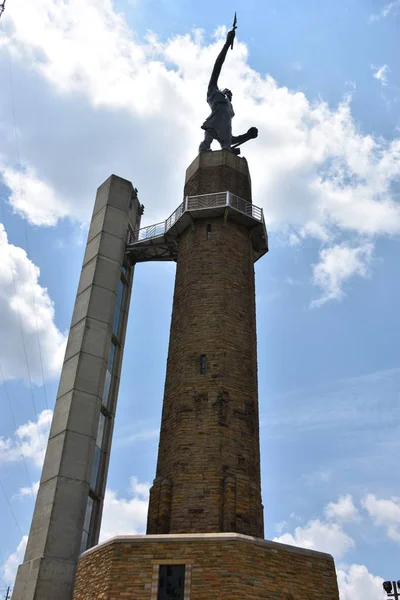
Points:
x=218 y=126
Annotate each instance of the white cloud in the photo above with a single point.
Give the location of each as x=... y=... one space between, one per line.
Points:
x=317 y=535
x=145 y=435
x=390 y=8
x=32 y=198
x=26 y=310
x=292 y=281
x=29 y=491
x=114 y=97
x=279 y=527
x=342 y=510
x=381 y=74
x=318 y=477
x=337 y=265
x=125 y=516
x=140 y=489
x=356 y=583
x=384 y=512
x=293 y=239
x=29 y=440
x=14 y=560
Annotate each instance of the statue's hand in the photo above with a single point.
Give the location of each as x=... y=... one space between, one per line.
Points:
x=252 y=132
x=230 y=37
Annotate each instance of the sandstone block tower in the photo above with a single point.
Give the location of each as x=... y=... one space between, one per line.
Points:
x=208 y=472
x=205 y=532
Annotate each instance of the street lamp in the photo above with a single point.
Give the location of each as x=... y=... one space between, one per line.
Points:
x=392 y=589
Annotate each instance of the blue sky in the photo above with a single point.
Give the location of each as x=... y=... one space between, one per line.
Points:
x=93 y=88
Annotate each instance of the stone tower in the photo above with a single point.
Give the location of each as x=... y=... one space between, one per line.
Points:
x=208 y=471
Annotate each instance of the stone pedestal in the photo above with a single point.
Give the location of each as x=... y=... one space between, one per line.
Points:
x=225 y=565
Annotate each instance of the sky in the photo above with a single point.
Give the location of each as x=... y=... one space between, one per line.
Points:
x=94 y=87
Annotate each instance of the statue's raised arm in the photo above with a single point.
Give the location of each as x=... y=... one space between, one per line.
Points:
x=219 y=62
x=219 y=124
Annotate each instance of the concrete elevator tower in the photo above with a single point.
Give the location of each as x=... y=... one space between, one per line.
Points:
x=67 y=515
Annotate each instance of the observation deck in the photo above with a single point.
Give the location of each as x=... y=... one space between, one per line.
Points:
x=160 y=241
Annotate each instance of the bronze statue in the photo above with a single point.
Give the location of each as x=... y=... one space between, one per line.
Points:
x=218 y=125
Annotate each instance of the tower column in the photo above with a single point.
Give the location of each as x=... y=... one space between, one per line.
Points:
x=209 y=442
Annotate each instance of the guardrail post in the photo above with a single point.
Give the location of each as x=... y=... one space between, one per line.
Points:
x=187 y=203
x=228 y=198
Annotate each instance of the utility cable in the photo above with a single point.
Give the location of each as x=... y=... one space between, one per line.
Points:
x=3 y=571
x=25 y=224
x=18 y=308
x=16 y=430
x=23 y=340
x=11 y=509
x=17 y=524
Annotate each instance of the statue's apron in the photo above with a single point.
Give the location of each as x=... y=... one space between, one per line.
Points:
x=220 y=119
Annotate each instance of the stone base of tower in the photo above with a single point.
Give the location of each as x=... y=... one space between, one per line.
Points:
x=221 y=565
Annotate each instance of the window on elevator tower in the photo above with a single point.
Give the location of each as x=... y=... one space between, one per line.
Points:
x=118 y=310
x=171 y=582
x=209 y=231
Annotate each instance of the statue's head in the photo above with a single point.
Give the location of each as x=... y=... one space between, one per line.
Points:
x=228 y=94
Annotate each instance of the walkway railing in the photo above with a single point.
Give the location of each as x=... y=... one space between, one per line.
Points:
x=192 y=203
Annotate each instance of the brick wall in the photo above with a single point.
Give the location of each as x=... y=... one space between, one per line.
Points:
x=218 y=179
x=208 y=471
x=221 y=171
x=232 y=567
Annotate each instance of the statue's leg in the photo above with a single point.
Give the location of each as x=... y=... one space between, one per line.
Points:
x=206 y=143
x=226 y=143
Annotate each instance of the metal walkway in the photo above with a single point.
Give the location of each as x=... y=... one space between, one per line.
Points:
x=160 y=241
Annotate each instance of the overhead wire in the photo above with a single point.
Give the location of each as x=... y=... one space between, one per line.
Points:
x=2 y=8
x=11 y=509
x=16 y=429
x=12 y=270
x=23 y=340
x=25 y=224
x=3 y=562
x=14 y=517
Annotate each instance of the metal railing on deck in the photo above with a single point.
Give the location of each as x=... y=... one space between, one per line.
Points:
x=207 y=201
x=175 y=216
x=192 y=203
x=247 y=208
x=146 y=233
